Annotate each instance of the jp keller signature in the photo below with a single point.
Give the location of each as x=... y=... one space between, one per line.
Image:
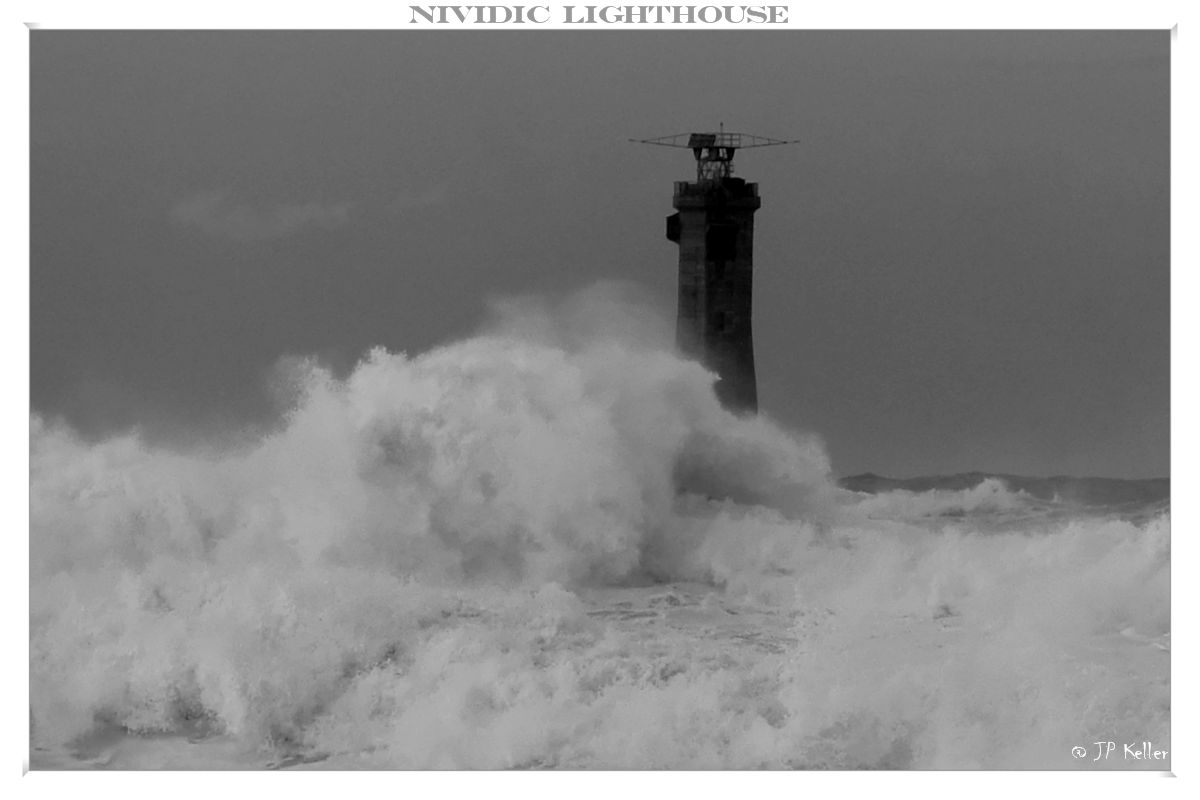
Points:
x=1139 y=751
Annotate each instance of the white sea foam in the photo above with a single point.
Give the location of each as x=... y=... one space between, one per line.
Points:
x=549 y=546
x=989 y=496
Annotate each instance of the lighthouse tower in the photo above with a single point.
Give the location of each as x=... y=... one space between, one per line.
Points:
x=714 y=228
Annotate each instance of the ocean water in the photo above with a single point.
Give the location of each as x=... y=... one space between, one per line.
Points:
x=534 y=550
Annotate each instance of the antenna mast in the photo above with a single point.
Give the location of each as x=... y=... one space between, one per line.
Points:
x=714 y=151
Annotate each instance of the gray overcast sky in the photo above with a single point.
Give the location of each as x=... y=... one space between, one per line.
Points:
x=963 y=265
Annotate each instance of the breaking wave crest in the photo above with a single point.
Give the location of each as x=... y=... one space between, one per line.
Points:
x=536 y=548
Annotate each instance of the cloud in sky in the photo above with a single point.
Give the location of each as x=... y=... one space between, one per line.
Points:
x=408 y=201
x=218 y=214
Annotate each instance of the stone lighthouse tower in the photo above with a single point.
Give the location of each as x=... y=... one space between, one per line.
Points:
x=714 y=228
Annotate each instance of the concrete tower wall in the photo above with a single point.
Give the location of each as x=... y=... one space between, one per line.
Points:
x=714 y=228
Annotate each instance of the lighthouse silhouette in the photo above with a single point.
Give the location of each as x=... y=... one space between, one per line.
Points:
x=714 y=228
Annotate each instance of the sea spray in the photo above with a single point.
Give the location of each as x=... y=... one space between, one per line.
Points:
x=549 y=546
x=167 y=586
